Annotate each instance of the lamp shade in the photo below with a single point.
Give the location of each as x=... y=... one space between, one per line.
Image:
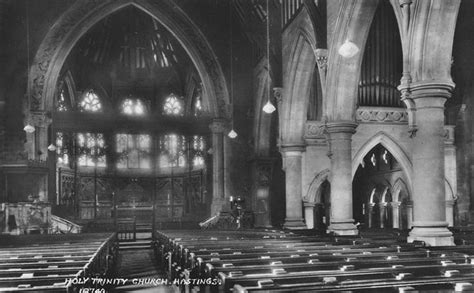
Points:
x=268 y=108
x=232 y=134
x=29 y=128
x=52 y=148
x=348 y=49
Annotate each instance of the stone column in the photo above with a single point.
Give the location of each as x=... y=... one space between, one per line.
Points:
x=395 y=214
x=370 y=209
x=450 y=170
x=429 y=223
x=218 y=128
x=294 y=201
x=340 y=141
x=450 y=212
x=309 y=214
x=382 y=211
x=409 y=207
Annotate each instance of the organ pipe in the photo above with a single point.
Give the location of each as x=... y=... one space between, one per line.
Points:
x=381 y=69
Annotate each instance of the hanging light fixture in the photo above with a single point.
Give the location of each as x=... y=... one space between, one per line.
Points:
x=232 y=133
x=348 y=49
x=28 y=127
x=268 y=107
x=52 y=147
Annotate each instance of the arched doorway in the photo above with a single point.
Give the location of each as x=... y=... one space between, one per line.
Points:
x=322 y=209
x=380 y=197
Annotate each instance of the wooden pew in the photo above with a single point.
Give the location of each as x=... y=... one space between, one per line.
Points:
x=42 y=268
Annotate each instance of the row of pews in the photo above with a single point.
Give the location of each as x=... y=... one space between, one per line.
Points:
x=54 y=263
x=279 y=261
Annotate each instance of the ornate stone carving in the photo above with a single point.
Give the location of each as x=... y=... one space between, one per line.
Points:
x=381 y=115
x=218 y=126
x=315 y=132
x=322 y=59
x=40 y=118
x=277 y=93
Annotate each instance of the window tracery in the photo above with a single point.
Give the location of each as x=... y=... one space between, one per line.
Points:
x=133 y=107
x=90 y=103
x=91 y=150
x=173 y=106
x=134 y=150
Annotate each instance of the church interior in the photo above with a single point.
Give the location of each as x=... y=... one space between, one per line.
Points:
x=236 y=145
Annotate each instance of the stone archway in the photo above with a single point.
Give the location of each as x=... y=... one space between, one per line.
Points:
x=317 y=202
x=394 y=148
x=76 y=21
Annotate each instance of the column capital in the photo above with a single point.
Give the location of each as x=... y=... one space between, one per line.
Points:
x=431 y=89
x=218 y=126
x=341 y=127
x=395 y=204
x=292 y=148
x=40 y=118
x=278 y=94
x=308 y=204
x=322 y=58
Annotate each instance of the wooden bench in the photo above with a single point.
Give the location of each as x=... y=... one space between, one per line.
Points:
x=46 y=265
x=291 y=262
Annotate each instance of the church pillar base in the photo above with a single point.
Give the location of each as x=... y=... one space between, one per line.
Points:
x=343 y=228
x=294 y=224
x=432 y=236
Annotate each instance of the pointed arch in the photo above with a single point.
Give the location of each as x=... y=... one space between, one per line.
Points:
x=353 y=23
x=83 y=14
x=398 y=187
x=313 y=195
x=394 y=148
x=301 y=39
x=262 y=121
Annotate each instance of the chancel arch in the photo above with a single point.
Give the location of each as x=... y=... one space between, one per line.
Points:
x=84 y=14
x=138 y=135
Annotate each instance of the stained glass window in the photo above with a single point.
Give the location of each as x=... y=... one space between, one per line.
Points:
x=133 y=107
x=172 y=151
x=197 y=102
x=134 y=150
x=173 y=106
x=198 y=145
x=61 y=105
x=91 y=149
x=62 y=150
x=90 y=103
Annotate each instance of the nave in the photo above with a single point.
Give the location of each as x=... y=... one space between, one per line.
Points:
x=235 y=261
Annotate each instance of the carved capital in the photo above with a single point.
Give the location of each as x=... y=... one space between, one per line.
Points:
x=40 y=118
x=315 y=132
x=322 y=59
x=277 y=93
x=218 y=126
